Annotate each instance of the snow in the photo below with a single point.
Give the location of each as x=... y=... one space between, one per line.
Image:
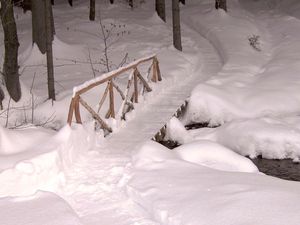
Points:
x=42 y=208
x=257 y=137
x=271 y=138
x=41 y=166
x=72 y=175
x=213 y=155
x=178 y=192
x=252 y=83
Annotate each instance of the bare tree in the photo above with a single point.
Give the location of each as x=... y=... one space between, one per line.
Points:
x=11 y=44
x=221 y=4
x=92 y=9
x=49 y=39
x=43 y=34
x=160 y=8
x=176 y=25
x=1 y=98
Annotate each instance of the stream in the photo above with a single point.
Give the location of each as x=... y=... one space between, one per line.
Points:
x=284 y=168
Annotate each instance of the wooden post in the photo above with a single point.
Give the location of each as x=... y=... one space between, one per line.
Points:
x=103 y=98
x=76 y=108
x=154 y=68
x=146 y=85
x=135 y=79
x=94 y=114
x=71 y=111
x=111 y=99
x=159 y=78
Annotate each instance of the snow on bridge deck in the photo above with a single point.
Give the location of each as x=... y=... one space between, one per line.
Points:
x=151 y=118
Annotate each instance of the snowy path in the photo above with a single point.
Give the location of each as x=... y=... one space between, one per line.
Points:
x=95 y=187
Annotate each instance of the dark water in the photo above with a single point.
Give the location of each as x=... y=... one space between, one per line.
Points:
x=284 y=168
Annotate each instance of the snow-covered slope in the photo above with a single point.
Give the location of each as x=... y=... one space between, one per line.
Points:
x=202 y=182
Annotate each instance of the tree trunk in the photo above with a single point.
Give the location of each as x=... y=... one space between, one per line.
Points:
x=161 y=9
x=130 y=3
x=70 y=2
x=39 y=24
x=11 y=44
x=92 y=9
x=49 y=39
x=1 y=98
x=111 y=1
x=221 y=4
x=182 y=1
x=176 y=25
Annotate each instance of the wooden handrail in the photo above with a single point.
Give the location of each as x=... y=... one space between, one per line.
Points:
x=135 y=77
x=108 y=76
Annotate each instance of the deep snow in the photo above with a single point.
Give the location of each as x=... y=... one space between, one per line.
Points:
x=254 y=97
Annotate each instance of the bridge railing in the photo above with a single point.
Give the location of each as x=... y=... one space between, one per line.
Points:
x=141 y=85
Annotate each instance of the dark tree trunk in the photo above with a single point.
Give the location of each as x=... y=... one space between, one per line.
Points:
x=160 y=8
x=11 y=45
x=1 y=98
x=38 y=24
x=92 y=9
x=52 y=2
x=49 y=39
x=182 y=1
x=176 y=25
x=130 y=3
x=111 y=1
x=70 y=2
x=221 y=4
x=38 y=10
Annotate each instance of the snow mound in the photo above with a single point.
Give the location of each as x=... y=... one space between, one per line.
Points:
x=43 y=208
x=16 y=141
x=43 y=166
x=203 y=153
x=269 y=137
x=177 y=132
x=152 y=152
x=177 y=192
x=216 y=156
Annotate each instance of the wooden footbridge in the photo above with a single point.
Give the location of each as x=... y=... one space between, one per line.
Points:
x=121 y=91
x=116 y=101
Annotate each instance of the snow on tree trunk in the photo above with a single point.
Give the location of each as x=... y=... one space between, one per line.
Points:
x=176 y=25
x=11 y=44
x=92 y=9
x=161 y=9
x=221 y=4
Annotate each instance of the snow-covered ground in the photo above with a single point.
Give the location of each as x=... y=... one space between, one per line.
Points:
x=207 y=180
